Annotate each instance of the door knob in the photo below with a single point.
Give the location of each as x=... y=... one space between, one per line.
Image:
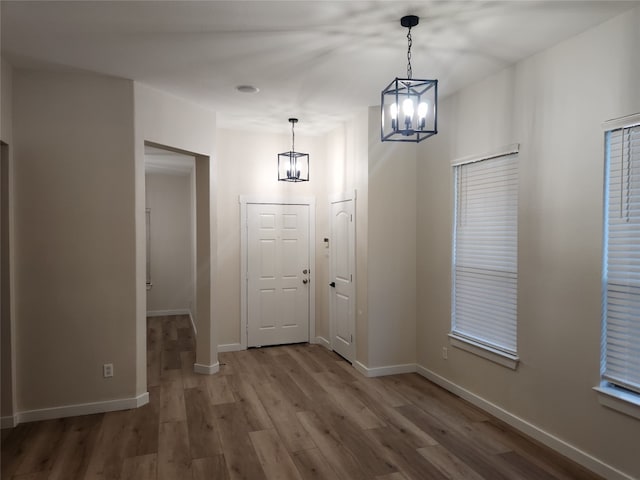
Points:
x=304 y=280
x=332 y=284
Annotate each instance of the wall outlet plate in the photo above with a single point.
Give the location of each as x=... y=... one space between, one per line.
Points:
x=107 y=370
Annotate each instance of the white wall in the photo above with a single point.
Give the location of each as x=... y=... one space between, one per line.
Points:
x=171 y=237
x=553 y=104
x=74 y=238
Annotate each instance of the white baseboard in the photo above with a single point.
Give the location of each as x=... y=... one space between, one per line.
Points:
x=548 y=439
x=382 y=371
x=206 y=369
x=165 y=313
x=9 y=421
x=322 y=341
x=82 y=409
x=230 y=347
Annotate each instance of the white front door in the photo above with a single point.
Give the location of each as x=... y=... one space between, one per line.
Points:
x=277 y=274
x=341 y=270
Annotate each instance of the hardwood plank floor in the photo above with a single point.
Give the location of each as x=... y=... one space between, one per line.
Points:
x=288 y=412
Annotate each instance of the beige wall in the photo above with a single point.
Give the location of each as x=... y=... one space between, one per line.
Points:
x=74 y=238
x=553 y=104
x=169 y=121
x=391 y=250
x=7 y=348
x=169 y=200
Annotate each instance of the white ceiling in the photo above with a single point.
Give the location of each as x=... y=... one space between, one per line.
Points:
x=315 y=60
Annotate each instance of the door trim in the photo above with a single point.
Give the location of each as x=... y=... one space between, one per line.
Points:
x=337 y=198
x=244 y=294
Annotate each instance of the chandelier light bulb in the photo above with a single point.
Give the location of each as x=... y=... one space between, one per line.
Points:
x=407 y=109
x=393 y=111
x=423 y=109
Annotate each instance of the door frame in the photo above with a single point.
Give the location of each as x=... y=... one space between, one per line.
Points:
x=244 y=278
x=335 y=198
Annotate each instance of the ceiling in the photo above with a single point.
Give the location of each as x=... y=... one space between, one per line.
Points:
x=316 y=60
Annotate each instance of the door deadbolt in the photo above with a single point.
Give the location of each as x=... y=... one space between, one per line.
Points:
x=304 y=271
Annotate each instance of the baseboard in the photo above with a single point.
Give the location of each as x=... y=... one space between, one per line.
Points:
x=322 y=341
x=166 y=313
x=544 y=437
x=382 y=371
x=230 y=347
x=82 y=409
x=9 y=421
x=206 y=369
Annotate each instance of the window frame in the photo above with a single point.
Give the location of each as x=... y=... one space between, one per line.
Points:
x=610 y=394
x=458 y=339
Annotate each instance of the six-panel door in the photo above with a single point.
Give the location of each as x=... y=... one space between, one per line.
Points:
x=277 y=274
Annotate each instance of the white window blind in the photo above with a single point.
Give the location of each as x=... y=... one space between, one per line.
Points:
x=621 y=269
x=485 y=253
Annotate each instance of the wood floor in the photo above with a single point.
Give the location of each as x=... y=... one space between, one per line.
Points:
x=290 y=412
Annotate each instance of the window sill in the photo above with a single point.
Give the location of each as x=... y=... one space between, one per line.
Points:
x=618 y=399
x=484 y=351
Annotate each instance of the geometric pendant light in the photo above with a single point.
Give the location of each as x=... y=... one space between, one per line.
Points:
x=293 y=166
x=409 y=106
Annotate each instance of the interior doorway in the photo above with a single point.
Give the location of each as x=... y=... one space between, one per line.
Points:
x=200 y=256
x=171 y=238
x=170 y=260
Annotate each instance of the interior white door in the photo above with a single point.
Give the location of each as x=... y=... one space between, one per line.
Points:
x=341 y=270
x=277 y=274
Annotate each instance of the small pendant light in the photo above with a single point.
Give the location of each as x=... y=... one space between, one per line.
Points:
x=293 y=166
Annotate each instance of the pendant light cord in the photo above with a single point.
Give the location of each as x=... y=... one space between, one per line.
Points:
x=293 y=138
x=410 y=43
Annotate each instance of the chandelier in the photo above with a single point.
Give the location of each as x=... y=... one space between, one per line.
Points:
x=409 y=105
x=293 y=166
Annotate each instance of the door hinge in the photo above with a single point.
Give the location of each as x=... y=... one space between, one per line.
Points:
x=351 y=217
x=351 y=277
x=351 y=336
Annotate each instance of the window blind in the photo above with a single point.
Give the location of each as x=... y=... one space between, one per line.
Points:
x=485 y=256
x=621 y=269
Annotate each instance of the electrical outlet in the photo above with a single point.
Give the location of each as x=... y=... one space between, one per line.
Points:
x=107 y=370
x=445 y=353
